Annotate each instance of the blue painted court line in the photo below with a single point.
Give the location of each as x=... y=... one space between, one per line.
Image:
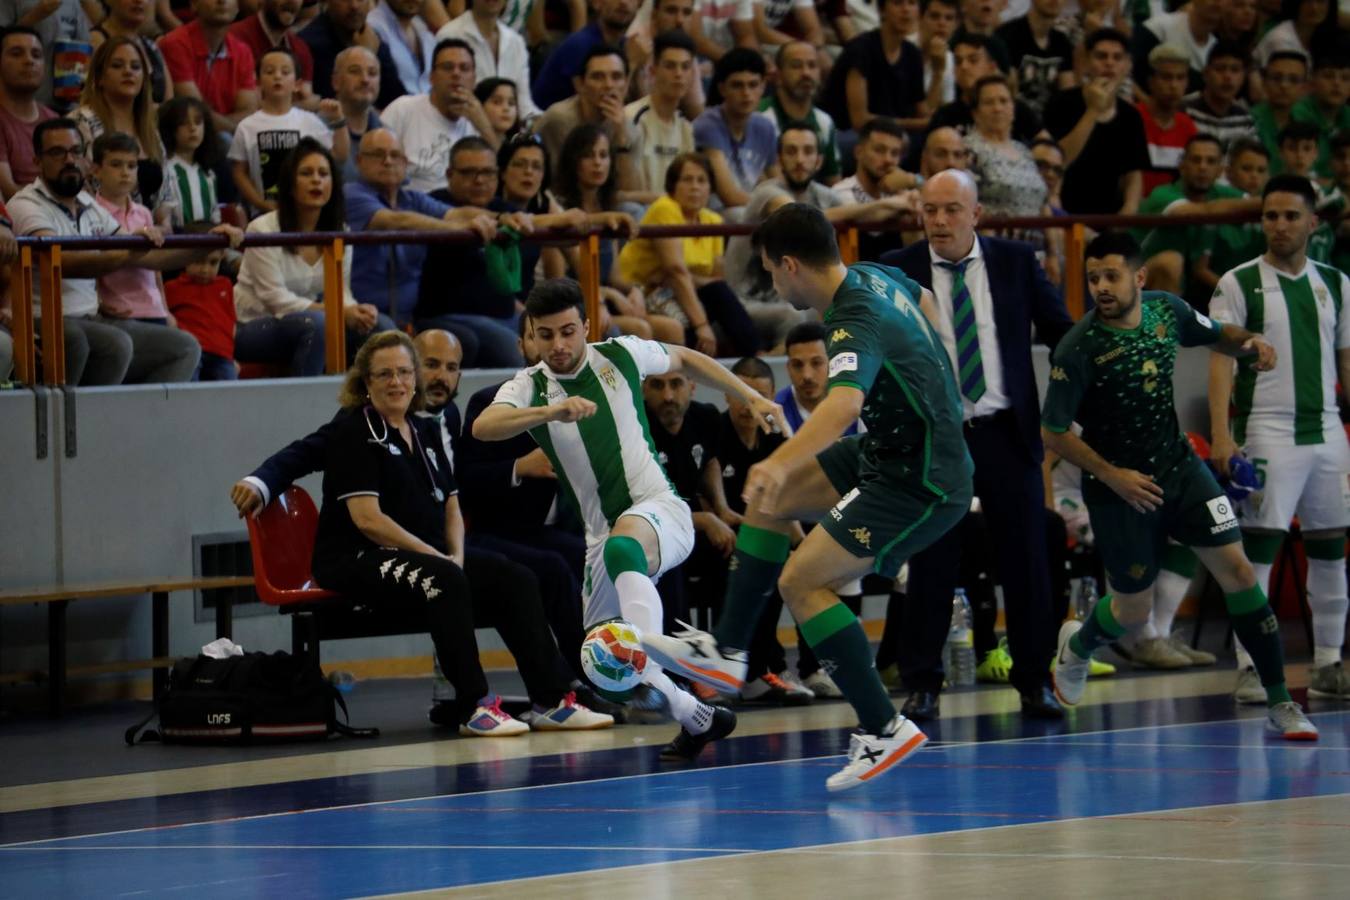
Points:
x=200 y=806
x=418 y=844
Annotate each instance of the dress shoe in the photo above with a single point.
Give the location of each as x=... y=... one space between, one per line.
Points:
x=920 y=706
x=1040 y=703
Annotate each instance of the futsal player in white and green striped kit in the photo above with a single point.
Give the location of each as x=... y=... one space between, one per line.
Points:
x=582 y=403
x=1287 y=420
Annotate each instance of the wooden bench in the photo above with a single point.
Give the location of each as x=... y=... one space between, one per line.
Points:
x=58 y=597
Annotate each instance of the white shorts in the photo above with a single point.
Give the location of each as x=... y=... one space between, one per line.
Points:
x=674 y=525
x=1308 y=481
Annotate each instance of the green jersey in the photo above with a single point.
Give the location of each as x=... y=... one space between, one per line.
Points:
x=1188 y=240
x=1117 y=384
x=880 y=343
x=827 y=137
x=1330 y=206
x=1307 y=110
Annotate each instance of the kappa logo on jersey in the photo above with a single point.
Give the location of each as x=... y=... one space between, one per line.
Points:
x=1057 y=373
x=608 y=376
x=838 y=335
x=843 y=362
x=1221 y=511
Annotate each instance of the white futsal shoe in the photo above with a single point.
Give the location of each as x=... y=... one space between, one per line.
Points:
x=695 y=655
x=873 y=755
x=1288 y=721
x=1071 y=670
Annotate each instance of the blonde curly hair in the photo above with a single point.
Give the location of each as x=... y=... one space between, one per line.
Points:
x=355 y=390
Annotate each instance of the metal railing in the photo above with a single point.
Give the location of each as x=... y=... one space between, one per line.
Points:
x=40 y=262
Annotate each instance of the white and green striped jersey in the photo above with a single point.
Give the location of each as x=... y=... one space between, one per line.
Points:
x=1302 y=318
x=606 y=462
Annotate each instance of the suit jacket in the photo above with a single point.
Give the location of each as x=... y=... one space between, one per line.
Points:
x=310 y=453
x=1022 y=297
x=484 y=474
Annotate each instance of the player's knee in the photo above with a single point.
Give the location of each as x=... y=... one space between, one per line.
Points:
x=792 y=584
x=1240 y=575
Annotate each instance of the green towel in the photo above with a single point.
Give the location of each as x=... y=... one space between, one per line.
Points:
x=502 y=257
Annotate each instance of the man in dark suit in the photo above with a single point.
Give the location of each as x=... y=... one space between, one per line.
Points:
x=989 y=293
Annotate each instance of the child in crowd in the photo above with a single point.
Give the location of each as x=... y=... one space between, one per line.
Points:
x=1340 y=171
x=130 y=292
x=202 y=300
x=500 y=103
x=1299 y=149
x=263 y=140
x=183 y=125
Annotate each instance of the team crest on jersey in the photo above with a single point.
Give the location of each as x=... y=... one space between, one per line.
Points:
x=609 y=378
x=862 y=536
x=1160 y=331
x=1057 y=373
x=838 y=335
x=1320 y=293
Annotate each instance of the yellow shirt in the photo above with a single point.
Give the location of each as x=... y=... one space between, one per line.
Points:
x=639 y=262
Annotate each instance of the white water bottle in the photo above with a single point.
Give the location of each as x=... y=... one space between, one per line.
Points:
x=1086 y=600
x=960 y=655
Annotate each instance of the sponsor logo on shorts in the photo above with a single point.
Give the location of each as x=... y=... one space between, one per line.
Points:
x=838 y=510
x=1221 y=511
x=843 y=362
x=862 y=536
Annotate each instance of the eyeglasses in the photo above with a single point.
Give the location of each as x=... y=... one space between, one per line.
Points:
x=475 y=174
x=57 y=153
x=394 y=156
x=389 y=375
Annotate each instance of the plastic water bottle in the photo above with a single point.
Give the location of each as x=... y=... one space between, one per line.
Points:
x=960 y=655
x=345 y=682
x=1086 y=600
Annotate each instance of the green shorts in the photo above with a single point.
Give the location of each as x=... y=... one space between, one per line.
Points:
x=878 y=516
x=1195 y=513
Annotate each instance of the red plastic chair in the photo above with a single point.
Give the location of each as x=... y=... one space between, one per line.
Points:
x=282 y=540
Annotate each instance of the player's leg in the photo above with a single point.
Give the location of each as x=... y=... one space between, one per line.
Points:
x=1151 y=647
x=1323 y=514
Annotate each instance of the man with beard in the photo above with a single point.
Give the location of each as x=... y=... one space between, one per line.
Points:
x=341 y=25
x=583 y=405
x=794 y=101
x=879 y=496
x=1142 y=482
x=409 y=41
x=878 y=176
x=271 y=28
x=556 y=81
x=798 y=160
x=208 y=62
x=58 y=205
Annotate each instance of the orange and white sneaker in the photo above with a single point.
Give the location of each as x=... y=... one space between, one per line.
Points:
x=696 y=655
x=1288 y=721
x=873 y=755
x=490 y=720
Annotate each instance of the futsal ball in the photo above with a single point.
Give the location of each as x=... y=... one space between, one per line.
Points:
x=613 y=659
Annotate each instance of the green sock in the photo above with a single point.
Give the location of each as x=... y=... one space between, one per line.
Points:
x=839 y=642
x=1100 y=628
x=751 y=579
x=1255 y=625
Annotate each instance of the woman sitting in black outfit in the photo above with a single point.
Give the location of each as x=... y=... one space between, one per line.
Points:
x=390 y=530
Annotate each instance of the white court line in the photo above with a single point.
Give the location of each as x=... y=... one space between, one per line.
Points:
x=930 y=748
x=1269 y=745
x=826 y=849
x=843 y=850
x=349 y=847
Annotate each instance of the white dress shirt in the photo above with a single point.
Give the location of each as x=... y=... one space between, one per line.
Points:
x=977 y=282
x=511 y=61
x=413 y=66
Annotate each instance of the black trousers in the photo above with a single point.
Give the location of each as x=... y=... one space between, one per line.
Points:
x=1012 y=498
x=490 y=591
x=559 y=583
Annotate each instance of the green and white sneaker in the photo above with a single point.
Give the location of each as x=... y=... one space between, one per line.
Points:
x=1331 y=682
x=1071 y=670
x=1288 y=721
x=1249 y=690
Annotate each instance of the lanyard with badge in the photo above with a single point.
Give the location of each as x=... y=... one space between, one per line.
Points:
x=418 y=450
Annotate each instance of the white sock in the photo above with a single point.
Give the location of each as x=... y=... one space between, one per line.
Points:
x=1244 y=659
x=1328 y=602
x=639 y=601
x=1168 y=592
x=694 y=715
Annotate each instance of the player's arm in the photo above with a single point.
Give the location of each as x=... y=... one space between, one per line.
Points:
x=1221 y=443
x=709 y=372
x=1135 y=488
x=1238 y=342
x=501 y=421
x=767 y=480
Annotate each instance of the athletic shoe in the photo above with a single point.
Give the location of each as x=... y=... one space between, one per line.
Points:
x=569 y=715
x=1249 y=689
x=1288 y=721
x=711 y=696
x=686 y=747
x=695 y=655
x=1330 y=682
x=1071 y=670
x=1099 y=669
x=769 y=688
x=823 y=686
x=1158 y=653
x=792 y=680
x=588 y=698
x=872 y=755
x=996 y=665
x=490 y=720
x=1197 y=657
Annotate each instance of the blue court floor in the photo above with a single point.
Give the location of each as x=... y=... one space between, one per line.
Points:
x=546 y=815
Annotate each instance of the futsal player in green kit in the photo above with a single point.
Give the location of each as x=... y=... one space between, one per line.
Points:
x=1142 y=482
x=880 y=496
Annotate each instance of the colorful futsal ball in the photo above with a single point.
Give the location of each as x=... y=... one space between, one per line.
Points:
x=613 y=659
